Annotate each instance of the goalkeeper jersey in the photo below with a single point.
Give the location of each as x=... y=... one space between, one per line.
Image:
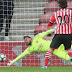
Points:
x=39 y=44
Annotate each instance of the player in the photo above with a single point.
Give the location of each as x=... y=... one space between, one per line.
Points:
x=6 y=13
x=38 y=44
x=62 y=35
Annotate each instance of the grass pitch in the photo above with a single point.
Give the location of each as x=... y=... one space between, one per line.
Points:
x=36 y=69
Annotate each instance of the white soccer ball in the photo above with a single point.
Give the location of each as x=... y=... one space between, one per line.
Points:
x=2 y=57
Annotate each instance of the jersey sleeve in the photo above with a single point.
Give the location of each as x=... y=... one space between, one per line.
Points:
x=52 y=20
x=41 y=35
x=26 y=52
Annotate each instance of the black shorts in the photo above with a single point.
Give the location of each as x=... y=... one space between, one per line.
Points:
x=71 y=37
x=59 y=39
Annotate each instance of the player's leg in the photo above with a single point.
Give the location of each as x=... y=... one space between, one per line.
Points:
x=47 y=57
x=9 y=14
x=56 y=42
x=1 y=16
x=67 y=44
x=1 y=23
x=8 y=21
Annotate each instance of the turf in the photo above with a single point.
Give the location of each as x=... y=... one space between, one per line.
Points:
x=36 y=69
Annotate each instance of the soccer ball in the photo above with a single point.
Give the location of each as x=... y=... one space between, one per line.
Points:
x=2 y=57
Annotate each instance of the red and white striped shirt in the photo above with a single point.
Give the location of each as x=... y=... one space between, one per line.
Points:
x=63 y=20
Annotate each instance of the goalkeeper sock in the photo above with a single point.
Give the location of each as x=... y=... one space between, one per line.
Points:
x=47 y=57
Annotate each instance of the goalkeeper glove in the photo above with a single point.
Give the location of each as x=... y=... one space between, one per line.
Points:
x=44 y=67
x=10 y=63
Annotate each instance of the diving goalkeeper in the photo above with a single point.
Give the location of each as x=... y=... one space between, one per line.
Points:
x=38 y=44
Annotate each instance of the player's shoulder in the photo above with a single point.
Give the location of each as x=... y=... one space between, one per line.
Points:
x=60 y=10
x=56 y=12
x=37 y=35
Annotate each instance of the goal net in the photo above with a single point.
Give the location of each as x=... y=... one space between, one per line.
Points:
x=19 y=18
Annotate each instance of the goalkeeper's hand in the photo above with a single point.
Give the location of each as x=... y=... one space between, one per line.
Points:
x=44 y=67
x=10 y=63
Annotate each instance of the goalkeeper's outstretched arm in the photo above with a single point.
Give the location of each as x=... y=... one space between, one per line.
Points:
x=26 y=52
x=43 y=34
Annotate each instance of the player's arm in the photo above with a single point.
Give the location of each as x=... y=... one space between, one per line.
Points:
x=46 y=33
x=52 y=20
x=26 y=52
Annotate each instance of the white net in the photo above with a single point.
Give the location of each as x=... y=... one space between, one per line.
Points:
x=19 y=18
x=25 y=17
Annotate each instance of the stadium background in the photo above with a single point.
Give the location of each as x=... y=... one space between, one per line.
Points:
x=30 y=17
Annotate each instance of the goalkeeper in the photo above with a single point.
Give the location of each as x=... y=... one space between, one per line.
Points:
x=38 y=44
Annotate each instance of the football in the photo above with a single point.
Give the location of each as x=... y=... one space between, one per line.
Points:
x=2 y=57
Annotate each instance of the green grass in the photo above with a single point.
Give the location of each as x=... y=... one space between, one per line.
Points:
x=36 y=69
